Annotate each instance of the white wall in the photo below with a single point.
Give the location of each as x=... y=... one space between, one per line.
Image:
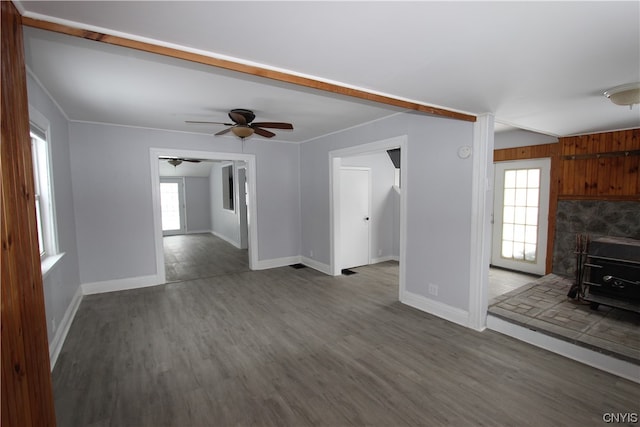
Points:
x=225 y=223
x=197 y=196
x=113 y=202
x=384 y=202
x=62 y=282
x=439 y=201
x=520 y=138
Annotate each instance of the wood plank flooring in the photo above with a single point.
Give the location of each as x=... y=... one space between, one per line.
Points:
x=194 y=256
x=287 y=347
x=502 y=281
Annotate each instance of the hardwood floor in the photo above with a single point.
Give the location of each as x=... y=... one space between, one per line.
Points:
x=502 y=281
x=287 y=347
x=194 y=256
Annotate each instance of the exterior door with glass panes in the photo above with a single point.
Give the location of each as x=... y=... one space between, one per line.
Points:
x=172 y=206
x=520 y=215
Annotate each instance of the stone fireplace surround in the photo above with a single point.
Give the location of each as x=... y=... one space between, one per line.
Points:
x=596 y=218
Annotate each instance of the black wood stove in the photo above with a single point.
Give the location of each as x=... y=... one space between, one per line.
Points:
x=612 y=273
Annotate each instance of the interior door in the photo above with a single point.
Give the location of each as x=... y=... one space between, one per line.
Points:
x=172 y=206
x=520 y=215
x=355 y=206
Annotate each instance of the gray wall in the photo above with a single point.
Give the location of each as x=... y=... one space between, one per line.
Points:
x=438 y=197
x=383 y=202
x=113 y=205
x=198 y=202
x=63 y=280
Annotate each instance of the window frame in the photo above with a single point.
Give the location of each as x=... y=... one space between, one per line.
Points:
x=44 y=194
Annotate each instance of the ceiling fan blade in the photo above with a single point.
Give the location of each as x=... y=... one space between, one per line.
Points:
x=222 y=132
x=273 y=125
x=263 y=132
x=238 y=118
x=179 y=158
x=208 y=123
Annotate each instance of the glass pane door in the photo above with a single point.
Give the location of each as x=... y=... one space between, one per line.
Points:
x=520 y=215
x=172 y=205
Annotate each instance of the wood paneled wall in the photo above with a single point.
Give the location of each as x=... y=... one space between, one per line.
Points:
x=600 y=166
x=27 y=398
x=525 y=153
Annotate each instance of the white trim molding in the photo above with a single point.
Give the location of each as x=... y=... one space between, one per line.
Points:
x=266 y=264
x=316 y=265
x=444 y=311
x=121 y=284
x=481 y=208
x=385 y=259
x=580 y=354
x=226 y=239
x=63 y=329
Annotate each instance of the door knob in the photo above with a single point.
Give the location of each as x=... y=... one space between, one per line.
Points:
x=366 y=218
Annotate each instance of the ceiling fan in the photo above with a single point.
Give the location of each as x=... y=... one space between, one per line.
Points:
x=244 y=127
x=175 y=161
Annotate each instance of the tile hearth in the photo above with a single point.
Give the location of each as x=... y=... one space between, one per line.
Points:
x=543 y=306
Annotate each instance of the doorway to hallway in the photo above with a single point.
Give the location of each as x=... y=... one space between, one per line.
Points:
x=244 y=166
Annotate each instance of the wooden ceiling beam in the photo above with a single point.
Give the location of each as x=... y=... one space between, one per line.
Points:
x=244 y=68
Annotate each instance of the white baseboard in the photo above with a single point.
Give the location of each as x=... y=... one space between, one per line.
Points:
x=276 y=262
x=226 y=239
x=120 y=284
x=580 y=354
x=198 y=232
x=316 y=265
x=63 y=329
x=452 y=314
x=385 y=258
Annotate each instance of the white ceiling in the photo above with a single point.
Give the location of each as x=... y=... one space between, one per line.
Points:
x=540 y=66
x=202 y=169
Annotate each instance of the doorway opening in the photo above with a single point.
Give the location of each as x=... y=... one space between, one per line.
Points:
x=368 y=208
x=520 y=223
x=212 y=200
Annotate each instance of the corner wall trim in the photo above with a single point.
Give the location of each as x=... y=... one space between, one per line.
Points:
x=266 y=264
x=120 y=284
x=198 y=231
x=226 y=239
x=385 y=259
x=63 y=329
x=444 y=311
x=316 y=265
x=584 y=355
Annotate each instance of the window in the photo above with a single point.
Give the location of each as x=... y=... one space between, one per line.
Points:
x=520 y=214
x=45 y=211
x=227 y=188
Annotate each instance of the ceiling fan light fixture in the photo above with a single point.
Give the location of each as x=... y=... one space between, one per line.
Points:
x=175 y=162
x=628 y=94
x=242 y=131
